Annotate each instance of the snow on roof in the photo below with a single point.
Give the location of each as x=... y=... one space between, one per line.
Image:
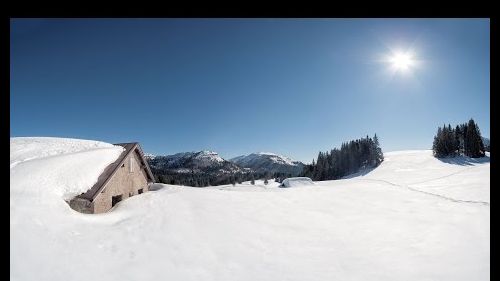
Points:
x=61 y=166
x=28 y=148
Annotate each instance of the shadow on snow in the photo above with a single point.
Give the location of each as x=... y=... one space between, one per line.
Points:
x=360 y=173
x=464 y=160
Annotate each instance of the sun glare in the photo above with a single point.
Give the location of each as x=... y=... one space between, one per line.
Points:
x=401 y=61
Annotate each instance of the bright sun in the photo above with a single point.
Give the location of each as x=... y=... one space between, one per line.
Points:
x=401 y=61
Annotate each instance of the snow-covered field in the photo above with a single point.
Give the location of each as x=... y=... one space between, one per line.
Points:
x=412 y=218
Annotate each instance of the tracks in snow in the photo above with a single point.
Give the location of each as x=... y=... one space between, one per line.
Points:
x=430 y=193
x=448 y=198
x=449 y=175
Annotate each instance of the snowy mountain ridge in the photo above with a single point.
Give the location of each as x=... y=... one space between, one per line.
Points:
x=200 y=161
x=263 y=162
x=208 y=156
x=208 y=160
x=243 y=159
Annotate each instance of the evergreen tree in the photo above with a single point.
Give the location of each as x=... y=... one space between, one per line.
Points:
x=352 y=155
x=458 y=140
x=436 y=150
x=379 y=156
x=465 y=138
x=445 y=140
x=474 y=141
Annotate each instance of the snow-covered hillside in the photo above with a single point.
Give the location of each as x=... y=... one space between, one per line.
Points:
x=412 y=218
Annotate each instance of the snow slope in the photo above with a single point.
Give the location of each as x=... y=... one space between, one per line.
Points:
x=412 y=218
x=456 y=177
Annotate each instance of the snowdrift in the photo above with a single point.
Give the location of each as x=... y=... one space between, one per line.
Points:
x=412 y=218
x=297 y=181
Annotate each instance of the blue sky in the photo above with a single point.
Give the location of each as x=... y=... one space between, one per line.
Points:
x=236 y=86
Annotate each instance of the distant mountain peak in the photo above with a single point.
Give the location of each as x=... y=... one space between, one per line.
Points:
x=196 y=161
x=209 y=156
x=207 y=152
x=268 y=162
x=265 y=153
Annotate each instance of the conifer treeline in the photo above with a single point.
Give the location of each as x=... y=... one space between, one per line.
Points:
x=353 y=155
x=207 y=179
x=463 y=139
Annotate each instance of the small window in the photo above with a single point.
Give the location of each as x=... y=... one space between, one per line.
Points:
x=139 y=191
x=131 y=165
x=115 y=199
x=123 y=165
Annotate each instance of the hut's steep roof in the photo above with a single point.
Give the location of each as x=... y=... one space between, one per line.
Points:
x=111 y=169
